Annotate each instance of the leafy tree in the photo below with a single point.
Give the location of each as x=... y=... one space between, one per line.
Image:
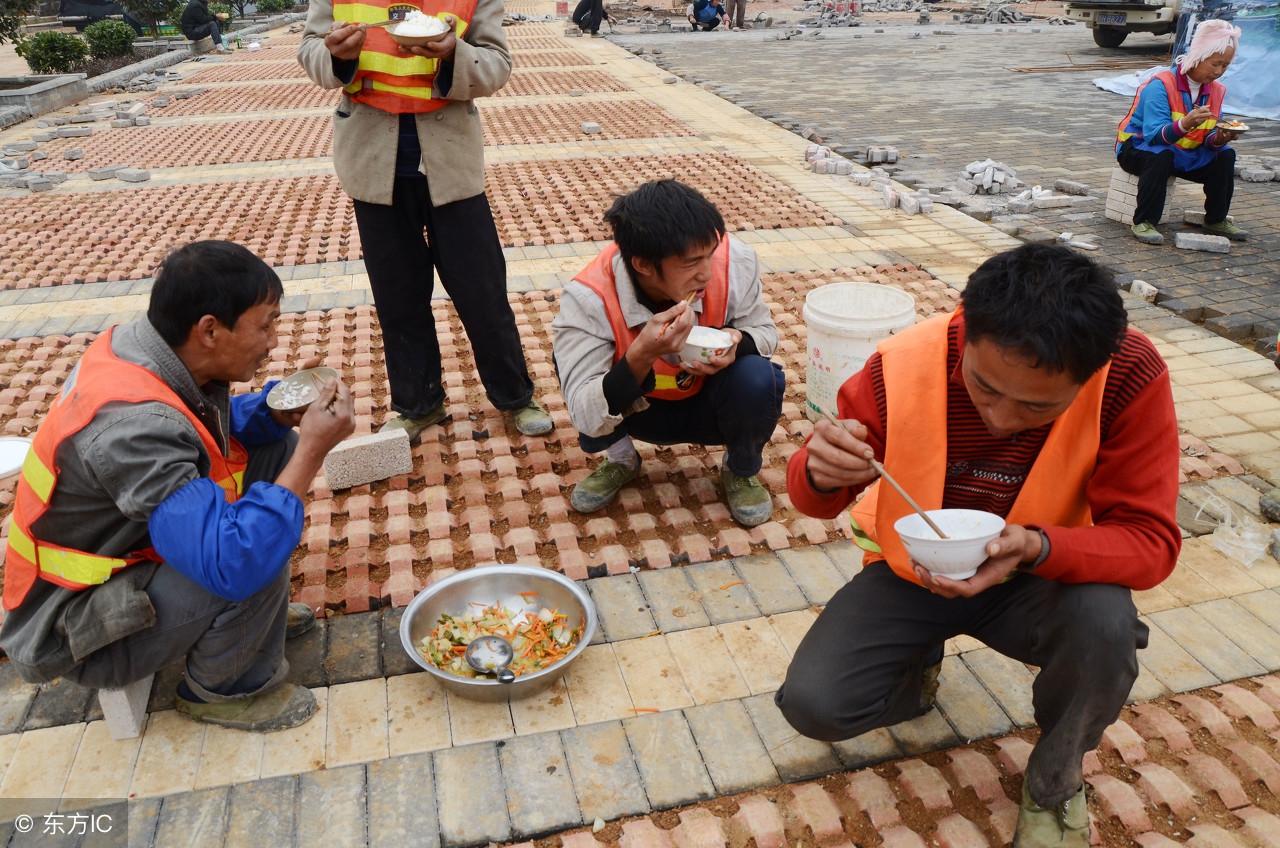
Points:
x=11 y=14
x=108 y=38
x=274 y=7
x=216 y=9
x=52 y=52
x=152 y=12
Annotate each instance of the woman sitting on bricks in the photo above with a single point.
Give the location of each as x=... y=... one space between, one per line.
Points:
x=1172 y=130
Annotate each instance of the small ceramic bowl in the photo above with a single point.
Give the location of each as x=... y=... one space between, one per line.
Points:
x=703 y=343
x=413 y=40
x=300 y=389
x=957 y=557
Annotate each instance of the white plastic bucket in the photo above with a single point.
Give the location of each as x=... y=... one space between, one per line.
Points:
x=846 y=321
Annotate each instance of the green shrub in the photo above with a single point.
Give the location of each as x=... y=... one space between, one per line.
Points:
x=109 y=38
x=152 y=12
x=274 y=7
x=216 y=9
x=52 y=52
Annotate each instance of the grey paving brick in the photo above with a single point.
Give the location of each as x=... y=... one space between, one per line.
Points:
x=58 y=703
x=195 y=819
x=846 y=556
x=540 y=796
x=353 y=649
x=331 y=807
x=1170 y=663
x=1242 y=627
x=770 y=584
x=967 y=705
x=262 y=812
x=722 y=605
x=472 y=804
x=929 y=732
x=1264 y=604
x=673 y=601
x=735 y=756
x=1008 y=681
x=1206 y=643
x=395 y=659
x=795 y=757
x=868 y=749
x=16 y=696
x=402 y=802
x=116 y=838
x=669 y=761
x=623 y=610
x=605 y=776
x=1147 y=687
x=306 y=655
x=816 y=575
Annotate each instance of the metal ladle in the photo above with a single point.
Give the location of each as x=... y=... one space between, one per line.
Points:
x=491 y=655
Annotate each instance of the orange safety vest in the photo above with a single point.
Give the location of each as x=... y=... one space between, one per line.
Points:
x=671 y=382
x=915 y=380
x=386 y=78
x=1217 y=93
x=102 y=378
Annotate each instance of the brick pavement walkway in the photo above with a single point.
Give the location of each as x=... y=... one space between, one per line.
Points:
x=392 y=759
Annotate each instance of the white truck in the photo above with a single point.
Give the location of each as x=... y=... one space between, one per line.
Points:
x=1113 y=20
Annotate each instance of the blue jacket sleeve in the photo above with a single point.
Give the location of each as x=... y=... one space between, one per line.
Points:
x=1155 y=117
x=232 y=549
x=251 y=421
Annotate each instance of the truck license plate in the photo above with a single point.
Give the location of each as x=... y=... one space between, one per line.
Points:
x=1113 y=18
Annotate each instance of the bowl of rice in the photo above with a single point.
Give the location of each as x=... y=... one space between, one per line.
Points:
x=418 y=30
x=300 y=389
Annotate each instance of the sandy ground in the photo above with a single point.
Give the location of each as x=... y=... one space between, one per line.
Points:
x=10 y=64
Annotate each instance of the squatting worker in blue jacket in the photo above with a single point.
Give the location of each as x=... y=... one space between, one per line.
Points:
x=156 y=514
x=1172 y=130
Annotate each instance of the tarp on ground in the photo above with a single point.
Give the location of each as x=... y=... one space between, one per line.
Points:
x=1253 y=80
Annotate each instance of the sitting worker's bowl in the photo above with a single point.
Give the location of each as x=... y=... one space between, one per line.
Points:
x=703 y=343
x=468 y=591
x=300 y=389
x=957 y=557
x=413 y=40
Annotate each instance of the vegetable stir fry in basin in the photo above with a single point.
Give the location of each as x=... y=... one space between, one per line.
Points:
x=538 y=639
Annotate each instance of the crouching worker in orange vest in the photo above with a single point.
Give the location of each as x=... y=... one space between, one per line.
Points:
x=618 y=339
x=1036 y=403
x=155 y=514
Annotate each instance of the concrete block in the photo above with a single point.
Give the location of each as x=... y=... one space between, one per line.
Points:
x=1070 y=187
x=15 y=181
x=909 y=204
x=978 y=213
x=1257 y=175
x=105 y=173
x=1202 y=241
x=74 y=132
x=39 y=184
x=1021 y=207
x=160 y=102
x=121 y=123
x=137 y=108
x=926 y=205
x=142 y=121
x=844 y=167
x=73 y=153
x=590 y=127
x=38 y=155
x=134 y=175
x=13 y=147
x=1051 y=201
x=83 y=119
x=368 y=458
x=41 y=138
x=125 y=709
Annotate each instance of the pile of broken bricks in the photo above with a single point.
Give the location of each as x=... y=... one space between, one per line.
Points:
x=15 y=167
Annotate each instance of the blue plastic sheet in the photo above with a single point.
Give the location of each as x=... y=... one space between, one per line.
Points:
x=1253 y=80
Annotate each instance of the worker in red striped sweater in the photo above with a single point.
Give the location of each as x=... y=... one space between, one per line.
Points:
x=1034 y=401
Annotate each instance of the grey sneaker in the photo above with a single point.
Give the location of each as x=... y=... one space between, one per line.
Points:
x=1065 y=825
x=288 y=705
x=597 y=491
x=749 y=502
x=415 y=426
x=1146 y=233
x=1228 y=229
x=533 y=420
x=300 y=619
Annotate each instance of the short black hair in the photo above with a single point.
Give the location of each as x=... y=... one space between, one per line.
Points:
x=660 y=219
x=1055 y=305
x=217 y=278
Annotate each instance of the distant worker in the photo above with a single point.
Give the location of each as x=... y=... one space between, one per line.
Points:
x=706 y=15
x=1158 y=140
x=588 y=15
x=198 y=22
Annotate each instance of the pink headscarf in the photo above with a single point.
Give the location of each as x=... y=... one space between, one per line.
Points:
x=1211 y=37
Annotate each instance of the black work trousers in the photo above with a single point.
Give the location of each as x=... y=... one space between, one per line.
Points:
x=406 y=242
x=860 y=666
x=1153 y=171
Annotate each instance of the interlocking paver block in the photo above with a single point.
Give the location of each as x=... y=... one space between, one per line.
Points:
x=1013 y=754
x=262 y=812
x=925 y=783
x=1125 y=741
x=698 y=828
x=735 y=757
x=796 y=757
x=643 y=833
x=1172 y=665
x=814 y=806
x=1201 y=713
x=762 y=821
x=900 y=837
x=724 y=594
x=1202 y=241
x=673 y=601
x=331 y=802
x=1120 y=800
x=955 y=831
x=604 y=773
x=770 y=583
x=1255 y=764
x=60 y=702
x=365 y=459
x=846 y=556
x=874 y=796
x=473 y=806
x=967 y=704
x=622 y=608
x=971 y=768
x=1154 y=721
x=706 y=665
x=540 y=796
x=133 y=175
x=1242 y=703
x=1162 y=786
x=668 y=759
x=1262 y=826
x=814 y=572
x=1210 y=775
x=758 y=653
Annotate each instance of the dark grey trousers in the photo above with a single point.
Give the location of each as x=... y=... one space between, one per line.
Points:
x=233 y=650
x=860 y=665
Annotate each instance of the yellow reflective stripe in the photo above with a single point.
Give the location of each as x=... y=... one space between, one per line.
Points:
x=403 y=91
x=21 y=543
x=38 y=476
x=78 y=567
x=664 y=381
x=861 y=539
x=400 y=66
x=238 y=480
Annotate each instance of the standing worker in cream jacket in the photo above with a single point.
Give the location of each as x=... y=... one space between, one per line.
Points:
x=408 y=148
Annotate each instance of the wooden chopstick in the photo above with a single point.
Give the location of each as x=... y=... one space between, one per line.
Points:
x=688 y=300
x=894 y=483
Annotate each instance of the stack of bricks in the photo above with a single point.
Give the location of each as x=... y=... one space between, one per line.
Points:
x=1122 y=196
x=821 y=161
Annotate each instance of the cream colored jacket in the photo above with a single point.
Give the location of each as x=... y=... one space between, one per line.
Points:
x=365 y=138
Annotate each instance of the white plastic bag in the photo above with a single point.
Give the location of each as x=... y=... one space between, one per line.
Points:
x=1236 y=536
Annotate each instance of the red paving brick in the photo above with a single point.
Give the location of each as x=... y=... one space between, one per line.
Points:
x=548 y=123
x=245 y=71
x=247 y=98
x=525 y=60
x=526 y=83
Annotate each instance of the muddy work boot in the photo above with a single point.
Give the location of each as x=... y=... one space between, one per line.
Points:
x=1146 y=233
x=750 y=503
x=300 y=619
x=929 y=681
x=1228 y=229
x=288 y=705
x=532 y=419
x=598 y=491
x=415 y=426
x=1063 y=826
